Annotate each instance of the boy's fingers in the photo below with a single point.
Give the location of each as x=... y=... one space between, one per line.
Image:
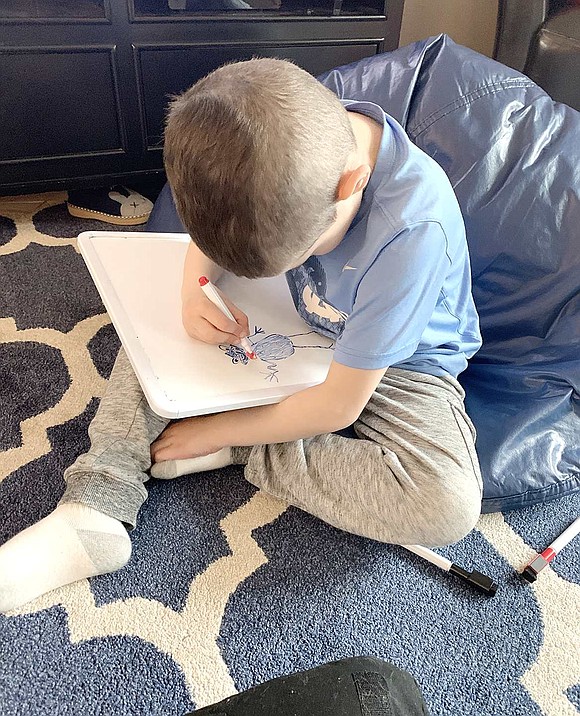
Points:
x=208 y=333
x=240 y=316
x=241 y=319
x=217 y=318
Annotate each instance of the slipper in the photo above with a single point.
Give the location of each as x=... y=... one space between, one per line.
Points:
x=115 y=205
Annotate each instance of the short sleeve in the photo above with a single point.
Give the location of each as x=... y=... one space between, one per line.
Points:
x=395 y=299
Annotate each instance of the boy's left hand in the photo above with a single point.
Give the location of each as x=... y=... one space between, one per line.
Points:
x=186 y=438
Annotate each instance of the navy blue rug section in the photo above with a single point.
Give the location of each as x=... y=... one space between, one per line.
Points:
x=228 y=587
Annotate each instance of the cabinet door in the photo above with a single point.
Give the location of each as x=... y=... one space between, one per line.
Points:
x=59 y=102
x=60 y=112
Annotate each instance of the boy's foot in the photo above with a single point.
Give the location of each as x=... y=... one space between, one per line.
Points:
x=71 y=543
x=169 y=469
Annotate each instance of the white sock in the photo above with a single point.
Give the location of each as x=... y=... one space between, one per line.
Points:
x=169 y=469
x=71 y=543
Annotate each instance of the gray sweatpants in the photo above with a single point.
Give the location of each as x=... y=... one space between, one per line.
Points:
x=411 y=475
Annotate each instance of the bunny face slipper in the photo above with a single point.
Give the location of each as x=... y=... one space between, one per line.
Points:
x=115 y=205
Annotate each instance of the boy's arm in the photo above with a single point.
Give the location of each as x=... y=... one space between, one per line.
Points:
x=324 y=408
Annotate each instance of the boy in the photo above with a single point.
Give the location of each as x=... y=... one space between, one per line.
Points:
x=272 y=173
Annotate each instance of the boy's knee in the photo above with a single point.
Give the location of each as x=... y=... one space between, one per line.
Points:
x=452 y=515
x=435 y=517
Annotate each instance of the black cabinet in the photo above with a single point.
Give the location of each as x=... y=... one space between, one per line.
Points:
x=84 y=83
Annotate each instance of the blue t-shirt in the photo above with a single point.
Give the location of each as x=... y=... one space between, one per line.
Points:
x=396 y=291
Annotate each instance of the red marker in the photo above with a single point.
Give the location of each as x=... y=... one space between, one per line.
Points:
x=209 y=290
x=542 y=560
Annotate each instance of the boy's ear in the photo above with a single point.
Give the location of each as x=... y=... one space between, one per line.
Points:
x=352 y=181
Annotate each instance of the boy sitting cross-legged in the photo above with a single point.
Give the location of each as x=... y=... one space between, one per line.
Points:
x=272 y=173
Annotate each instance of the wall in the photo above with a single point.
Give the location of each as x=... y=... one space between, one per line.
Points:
x=467 y=22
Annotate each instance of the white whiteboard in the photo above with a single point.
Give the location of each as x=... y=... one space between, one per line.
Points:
x=139 y=275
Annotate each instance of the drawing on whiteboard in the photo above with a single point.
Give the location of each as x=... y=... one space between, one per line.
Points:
x=273 y=348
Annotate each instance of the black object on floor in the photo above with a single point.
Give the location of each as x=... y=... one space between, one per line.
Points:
x=112 y=204
x=358 y=686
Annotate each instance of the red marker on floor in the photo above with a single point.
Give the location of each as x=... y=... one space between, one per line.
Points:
x=542 y=560
x=208 y=288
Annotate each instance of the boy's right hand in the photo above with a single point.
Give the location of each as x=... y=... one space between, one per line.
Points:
x=204 y=321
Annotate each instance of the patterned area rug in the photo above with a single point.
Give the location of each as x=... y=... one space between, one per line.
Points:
x=228 y=587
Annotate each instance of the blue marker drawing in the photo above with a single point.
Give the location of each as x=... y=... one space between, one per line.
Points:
x=272 y=348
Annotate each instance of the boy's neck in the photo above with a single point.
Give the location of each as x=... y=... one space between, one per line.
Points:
x=368 y=134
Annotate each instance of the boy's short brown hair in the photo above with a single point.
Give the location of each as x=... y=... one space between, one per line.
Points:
x=253 y=154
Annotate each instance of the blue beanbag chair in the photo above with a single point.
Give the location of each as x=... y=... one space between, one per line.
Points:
x=513 y=158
